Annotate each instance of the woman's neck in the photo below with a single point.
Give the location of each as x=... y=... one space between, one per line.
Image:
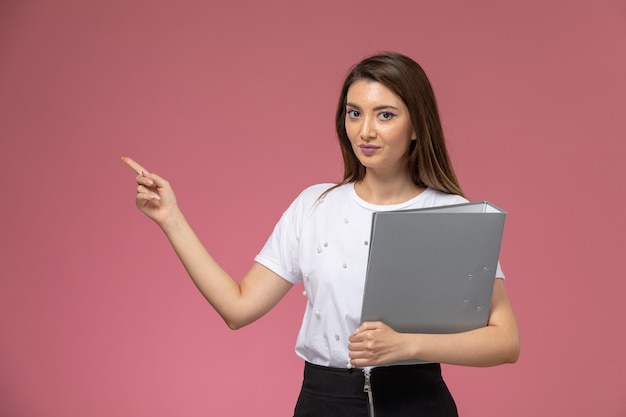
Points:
x=383 y=190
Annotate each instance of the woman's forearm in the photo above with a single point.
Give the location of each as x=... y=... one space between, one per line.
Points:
x=238 y=304
x=487 y=346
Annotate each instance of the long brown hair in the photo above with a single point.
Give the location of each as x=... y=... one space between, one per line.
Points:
x=428 y=161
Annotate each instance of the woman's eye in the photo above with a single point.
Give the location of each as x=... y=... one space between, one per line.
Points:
x=353 y=114
x=386 y=115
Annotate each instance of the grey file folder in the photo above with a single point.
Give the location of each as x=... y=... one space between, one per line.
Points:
x=432 y=270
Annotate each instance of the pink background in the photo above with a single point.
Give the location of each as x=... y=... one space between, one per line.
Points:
x=233 y=102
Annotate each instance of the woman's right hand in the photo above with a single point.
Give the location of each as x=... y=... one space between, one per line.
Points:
x=155 y=197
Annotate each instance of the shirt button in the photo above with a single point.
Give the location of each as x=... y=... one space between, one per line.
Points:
x=317 y=313
x=344 y=265
x=346 y=221
x=319 y=250
x=304 y=293
x=337 y=337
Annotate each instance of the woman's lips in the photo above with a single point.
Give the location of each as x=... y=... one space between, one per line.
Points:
x=369 y=149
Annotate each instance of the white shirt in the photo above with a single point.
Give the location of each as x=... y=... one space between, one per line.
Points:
x=324 y=244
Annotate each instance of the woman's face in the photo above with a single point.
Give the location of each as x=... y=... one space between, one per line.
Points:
x=378 y=126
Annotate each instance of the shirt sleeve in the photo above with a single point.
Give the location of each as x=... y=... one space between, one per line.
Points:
x=281 y=251
x=499 y=273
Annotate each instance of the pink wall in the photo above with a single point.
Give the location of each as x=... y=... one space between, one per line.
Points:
x=233 y=102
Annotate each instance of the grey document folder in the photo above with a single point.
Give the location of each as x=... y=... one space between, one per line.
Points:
x=432 y=270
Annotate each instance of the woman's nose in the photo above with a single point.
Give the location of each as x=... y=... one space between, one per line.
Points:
x=368 y=129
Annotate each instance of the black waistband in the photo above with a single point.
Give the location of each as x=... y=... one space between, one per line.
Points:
x=349 y=383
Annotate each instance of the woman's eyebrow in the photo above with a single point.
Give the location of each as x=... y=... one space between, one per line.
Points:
x=381 y=107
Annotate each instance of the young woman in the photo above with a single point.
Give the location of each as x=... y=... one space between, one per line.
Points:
x=394 y=158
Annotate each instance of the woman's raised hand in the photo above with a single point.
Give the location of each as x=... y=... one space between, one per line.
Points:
x=155 y=197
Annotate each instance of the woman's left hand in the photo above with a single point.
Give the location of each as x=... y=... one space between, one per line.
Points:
x=375 y=343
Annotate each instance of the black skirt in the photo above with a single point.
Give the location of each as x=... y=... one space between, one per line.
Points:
x=395 y=391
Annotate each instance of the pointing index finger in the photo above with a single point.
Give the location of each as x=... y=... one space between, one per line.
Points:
x=134 y=165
